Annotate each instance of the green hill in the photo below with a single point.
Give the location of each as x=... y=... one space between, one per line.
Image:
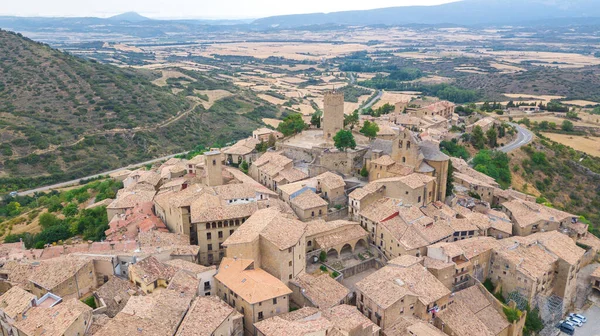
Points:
x=63 y=117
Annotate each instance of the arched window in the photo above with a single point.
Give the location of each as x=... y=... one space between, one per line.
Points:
x=408 y=145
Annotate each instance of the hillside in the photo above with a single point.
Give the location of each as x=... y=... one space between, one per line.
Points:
x=63 y=117
x=466 y=12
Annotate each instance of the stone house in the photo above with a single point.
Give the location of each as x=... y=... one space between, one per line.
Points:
x=67 y=277
x=263 y=134
x=318 y=291
x=335 y=237
x=204 y=275
x=309 y=206
x=275 y=243
x=251 y=291
x=243 y=150
x=485 y=124
x=402 y=288
x=272 y=169
x=529 y=217
x=595 y=279
x=13 y=306
x=150 y=274
x=69 y=318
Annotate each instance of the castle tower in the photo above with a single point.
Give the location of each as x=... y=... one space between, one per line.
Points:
x=333 y=115
x=213 y=167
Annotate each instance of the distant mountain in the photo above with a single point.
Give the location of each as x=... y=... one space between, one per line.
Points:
x=466 y=12
x=129 y=16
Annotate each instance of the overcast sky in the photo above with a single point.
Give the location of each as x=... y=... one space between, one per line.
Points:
x=193 y=8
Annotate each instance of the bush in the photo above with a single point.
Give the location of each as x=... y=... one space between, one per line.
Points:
x=48 y=220
x=364 y=172
x=335 y=274
x=90 y=301
x=323 y=268
x=322 y=257
x=512 y=314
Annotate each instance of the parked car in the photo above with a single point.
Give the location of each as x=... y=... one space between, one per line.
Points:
x=13 y=194
x=575 y=321
x=567 y=328
x=578 y=316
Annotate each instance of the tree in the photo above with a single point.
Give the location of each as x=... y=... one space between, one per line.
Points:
x=567 y=126
x=370 y=129
x=502 y=131
x=70 y=210
x=292 y=124
x=364 y=172
x=48 y=220
x=492 y=137
x=244 y=167
x=344 y=140
x=572 y=114
x=13 y=208
x=272 y=140
x=351 y=119
x=477 y=138
x=450 y=179
x=315 y=119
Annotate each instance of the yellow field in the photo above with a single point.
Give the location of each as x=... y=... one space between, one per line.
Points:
x=393 y=97
x=586 y=144
x=271 y=122
x=213 y=96
x=581 y=103
x=166 y=74
x=271 y=99
x=545 y=98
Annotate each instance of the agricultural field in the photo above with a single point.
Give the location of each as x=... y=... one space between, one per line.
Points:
x=587 y=144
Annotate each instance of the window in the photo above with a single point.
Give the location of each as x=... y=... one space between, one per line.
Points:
x=230 y=232
x=309 y=243
x=214 y=162
x=408 y=145
x=419 y=199
x=290 y=250
x=220 y=234
x=290 y=264
x=210 y=247
x=207 y=226
x=290 y=277
x=275 y=301
x=260 y=315
x=312 y=214
x=320 y=212
x=208 y=236
x=403 y=159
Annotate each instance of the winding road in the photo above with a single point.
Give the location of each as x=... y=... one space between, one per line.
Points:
x=524 y=136
x=73 y=182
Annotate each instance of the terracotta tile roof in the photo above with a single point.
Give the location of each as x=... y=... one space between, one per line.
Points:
x=410 y=326
x=439 y=209
x=527 y=213
x=331 y=180
x=210 y=209
x=252 y=285
x=52 y=272
x=274 y=158
x=149 y=177
x=308 y=200
x=115 y=293
x=405 y=261
x=150 y=270
x=559 y=244
x=291 y=188
x=360 y=193
x=272 y=225
x=416 y=180
x=242 y=147
x=461 y=166
x=132 y=198
x=131 y=325
x=54 y=321
x=184 y=283
x=596 y=273
x=240 y=177
x=347 y=318
x=532 y=260
x=431 y=263
x=590 y=240
x=380 y=209
x=462 y=224
x=291 y=175
x=323 y=291
x=235 y=191
x=165 y=308
x=205 y=315
x=391 y=283
x=319 y=226
x=384 y=160
x=287 y=324
x=189 y=266
x=105 y=202
x=404 y=233
x=16 y=301
x=347 y=235
x=460 y=320
x=162 y=239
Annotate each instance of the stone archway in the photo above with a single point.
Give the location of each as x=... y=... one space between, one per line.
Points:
x=346 y=250
x=361 y=244
x=332 y=253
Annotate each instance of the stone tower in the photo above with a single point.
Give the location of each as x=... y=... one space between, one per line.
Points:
x=405 y=149
x=213 y=168
x=333 y=116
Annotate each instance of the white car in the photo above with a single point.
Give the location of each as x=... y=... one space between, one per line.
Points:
x=575 y=321
x=579 y=317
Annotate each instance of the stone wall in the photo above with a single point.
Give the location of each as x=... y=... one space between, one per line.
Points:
x=363 y=266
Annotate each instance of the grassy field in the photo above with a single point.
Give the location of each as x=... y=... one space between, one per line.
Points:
x=586 y=144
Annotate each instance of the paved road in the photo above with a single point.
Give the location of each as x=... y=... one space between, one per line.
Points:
x=373 y=101
x=524 y=137
x=73 y=182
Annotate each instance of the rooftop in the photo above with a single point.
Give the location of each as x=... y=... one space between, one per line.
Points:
x=279 y=229
x=52 y=272
x=295 y=324
x=16 y=301
x=392 y=283
x=150 y=270
x=347 y=318
x=54 y=321
x=308 y=200
x=252 y=285
x=527 y=213
x=322 y=290
x=205 y=315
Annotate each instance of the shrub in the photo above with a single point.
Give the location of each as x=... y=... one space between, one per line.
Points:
x=335 y=274
x=323 y=257
x=323 y=268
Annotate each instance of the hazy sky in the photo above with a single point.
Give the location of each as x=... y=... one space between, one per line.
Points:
x=193 y=8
